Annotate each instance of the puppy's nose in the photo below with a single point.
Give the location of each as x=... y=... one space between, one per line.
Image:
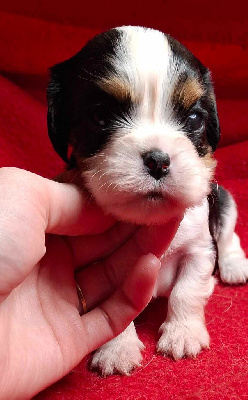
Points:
x=157 y=163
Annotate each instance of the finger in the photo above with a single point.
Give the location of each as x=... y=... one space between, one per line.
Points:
x=142 y=240
x=87 y=249
x=53 y=207
x=112 y=271
x=115 y=314
x=73 y=176
x=71 y=212
x=85 y=216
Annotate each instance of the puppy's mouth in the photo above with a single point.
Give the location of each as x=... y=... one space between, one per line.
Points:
x=154 y=196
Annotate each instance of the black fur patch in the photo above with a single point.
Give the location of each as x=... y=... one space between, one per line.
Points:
x=187 y=66
x=72 y=88
x=219 y=206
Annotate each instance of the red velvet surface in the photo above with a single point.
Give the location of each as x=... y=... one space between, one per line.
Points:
x=33 y=36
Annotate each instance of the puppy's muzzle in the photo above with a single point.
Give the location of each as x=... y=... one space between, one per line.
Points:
x=157 y=163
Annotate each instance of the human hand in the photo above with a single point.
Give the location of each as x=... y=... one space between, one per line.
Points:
x=47 y=232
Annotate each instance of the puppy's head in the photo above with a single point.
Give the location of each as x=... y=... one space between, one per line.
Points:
x=138 y=110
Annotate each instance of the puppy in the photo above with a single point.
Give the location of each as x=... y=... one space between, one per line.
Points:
x=138 y=111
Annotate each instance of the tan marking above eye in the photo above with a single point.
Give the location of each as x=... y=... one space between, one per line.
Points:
x=189 y=92
x=116 y=87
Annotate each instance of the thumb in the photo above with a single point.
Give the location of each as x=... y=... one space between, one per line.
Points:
x=31 y=205
x=70 y=211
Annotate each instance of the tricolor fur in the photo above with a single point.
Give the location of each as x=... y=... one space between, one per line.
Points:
x=138 y=111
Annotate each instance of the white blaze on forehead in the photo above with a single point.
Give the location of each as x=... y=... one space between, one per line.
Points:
x=148 y=49
x=143 y=59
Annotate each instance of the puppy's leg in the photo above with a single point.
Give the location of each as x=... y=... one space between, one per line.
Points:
x=233 y=264
x=120 y=355
x=184 y=332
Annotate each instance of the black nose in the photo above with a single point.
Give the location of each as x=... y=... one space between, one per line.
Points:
x=157 y=163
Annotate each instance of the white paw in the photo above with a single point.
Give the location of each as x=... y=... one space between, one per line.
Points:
x=118 y=357
x=181 y=339
x=234 y=270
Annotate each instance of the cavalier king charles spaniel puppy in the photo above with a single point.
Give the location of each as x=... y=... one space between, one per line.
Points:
x=138 y=111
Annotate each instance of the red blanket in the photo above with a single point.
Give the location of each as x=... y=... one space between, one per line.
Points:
x=31 y=40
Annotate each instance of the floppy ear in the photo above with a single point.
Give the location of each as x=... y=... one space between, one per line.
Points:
x=213 y=127
x=57 y=115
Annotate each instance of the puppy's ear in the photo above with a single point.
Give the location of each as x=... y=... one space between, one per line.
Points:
x=213 y=127
x=57 y=116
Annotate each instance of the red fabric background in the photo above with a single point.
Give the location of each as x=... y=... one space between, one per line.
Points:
x=35 y=35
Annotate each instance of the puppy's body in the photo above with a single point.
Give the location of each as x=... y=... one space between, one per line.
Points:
x=139 y=112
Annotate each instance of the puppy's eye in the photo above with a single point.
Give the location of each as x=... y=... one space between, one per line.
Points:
x=100 y=115
x=195 y=122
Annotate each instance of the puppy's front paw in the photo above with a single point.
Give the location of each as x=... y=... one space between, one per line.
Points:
x=234 y=270
x=121 y=357
x=181 y=339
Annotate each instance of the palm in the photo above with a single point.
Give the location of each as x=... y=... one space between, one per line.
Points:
x=45 y=331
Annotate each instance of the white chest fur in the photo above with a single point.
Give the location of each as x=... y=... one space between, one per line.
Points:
x=193 y=237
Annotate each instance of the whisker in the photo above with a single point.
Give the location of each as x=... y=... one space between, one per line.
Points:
x=111 y=183
x=97 y=172
x=74 y=177
x=91 y=74
x=84 y=79
x=100 y=177
x=100 y=187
